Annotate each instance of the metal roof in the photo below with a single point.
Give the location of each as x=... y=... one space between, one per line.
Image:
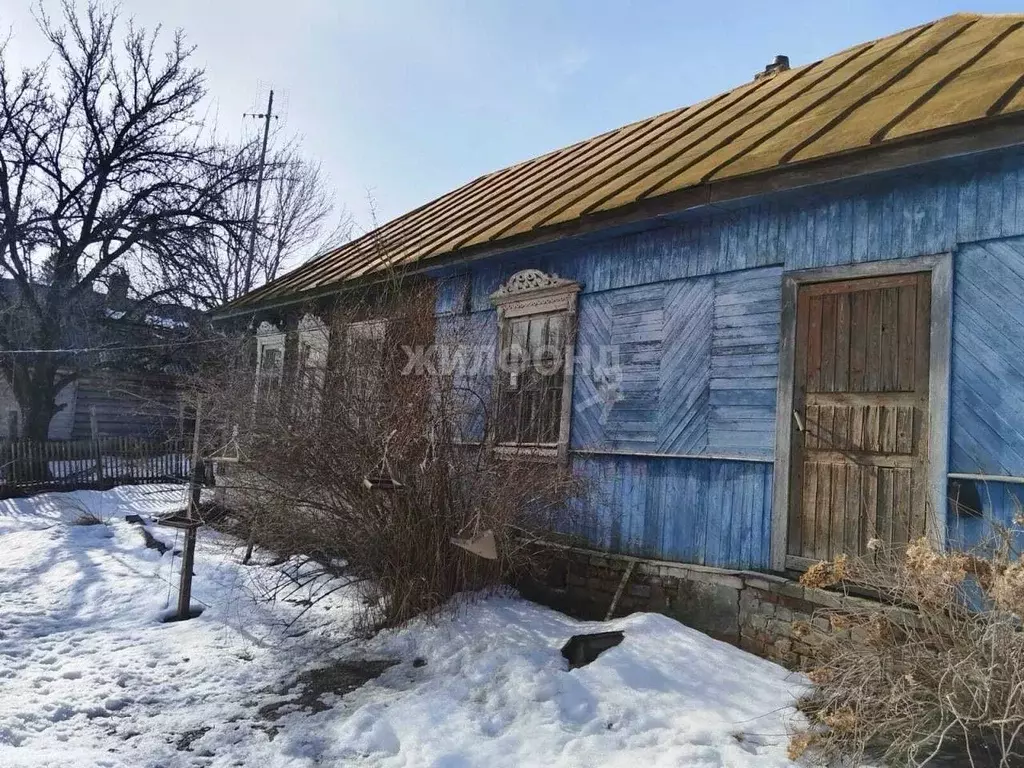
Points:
x=952 y=72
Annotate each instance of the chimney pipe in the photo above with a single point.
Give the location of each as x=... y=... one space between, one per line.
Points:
x=780 y=64
x=117 y=289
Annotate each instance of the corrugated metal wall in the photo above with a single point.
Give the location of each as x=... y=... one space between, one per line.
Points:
x=693 y=309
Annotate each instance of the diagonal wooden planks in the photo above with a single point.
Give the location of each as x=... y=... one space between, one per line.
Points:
x=987 y=385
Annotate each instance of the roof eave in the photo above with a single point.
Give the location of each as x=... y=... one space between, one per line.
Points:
x=964 y=139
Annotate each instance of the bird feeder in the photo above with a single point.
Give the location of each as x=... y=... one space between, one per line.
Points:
x=382 y=481
x=481 y=543
x=179 y=521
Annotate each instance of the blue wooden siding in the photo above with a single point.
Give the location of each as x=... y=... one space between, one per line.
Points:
x=986 y=433
x=638 y=319
x=452 y=293
x=466 y=350
x=594 y=389
x=692 y=307
x=1000 y=503
x=745 y=363
x=692 y=510
x=644 y=368
x=987 y=382
x=687 y=367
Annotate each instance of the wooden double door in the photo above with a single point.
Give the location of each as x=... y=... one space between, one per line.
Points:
x=859 y=452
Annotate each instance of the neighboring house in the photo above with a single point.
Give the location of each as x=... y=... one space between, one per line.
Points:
x=807 y=295
x=121 y=393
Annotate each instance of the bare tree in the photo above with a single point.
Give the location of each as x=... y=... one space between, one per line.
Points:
x=105 y=165
x=366 y=443
x=295 y=209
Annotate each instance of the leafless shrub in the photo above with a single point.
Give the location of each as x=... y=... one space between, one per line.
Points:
x=88 y=518
x=80 y=513
x=351 y=456
x=934 y=667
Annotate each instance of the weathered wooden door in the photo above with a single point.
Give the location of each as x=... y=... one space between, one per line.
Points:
x=859 y=456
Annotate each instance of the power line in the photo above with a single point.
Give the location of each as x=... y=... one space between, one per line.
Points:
x=126 y=348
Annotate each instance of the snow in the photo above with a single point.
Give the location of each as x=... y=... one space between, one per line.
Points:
x=89 y=676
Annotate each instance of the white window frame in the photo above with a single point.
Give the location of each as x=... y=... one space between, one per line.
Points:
x=528 y=293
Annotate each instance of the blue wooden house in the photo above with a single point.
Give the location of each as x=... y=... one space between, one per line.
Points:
x=792 y=315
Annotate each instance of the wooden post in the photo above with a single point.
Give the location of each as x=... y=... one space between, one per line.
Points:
x=618 y=592
x=181 y=419
x=94 y=431
x=16 y=465
x=189 y=552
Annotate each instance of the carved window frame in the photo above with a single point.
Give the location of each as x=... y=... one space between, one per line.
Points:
x=528 y=293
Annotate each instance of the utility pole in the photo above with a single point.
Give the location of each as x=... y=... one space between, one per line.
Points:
x=266 y=116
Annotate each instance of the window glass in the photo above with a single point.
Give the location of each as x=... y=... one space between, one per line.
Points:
x=268 y=380
x=310 y=377
x=532 y=371
x=364 y=361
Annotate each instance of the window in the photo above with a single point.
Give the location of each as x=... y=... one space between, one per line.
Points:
x=311 y=367
x=364 y=359
x=536 y=313
x=529 y=406
x=307 y=367
x=309 y=377
x=268 y=382
x=269 y=368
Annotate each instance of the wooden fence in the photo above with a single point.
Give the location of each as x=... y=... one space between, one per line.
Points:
x=27 y=466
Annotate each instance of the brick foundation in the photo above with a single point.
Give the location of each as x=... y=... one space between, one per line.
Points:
x=762 y=613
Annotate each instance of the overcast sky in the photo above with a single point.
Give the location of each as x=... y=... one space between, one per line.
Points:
x=407 y=100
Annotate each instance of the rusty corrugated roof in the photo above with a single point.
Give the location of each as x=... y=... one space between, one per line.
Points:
x=954 y=71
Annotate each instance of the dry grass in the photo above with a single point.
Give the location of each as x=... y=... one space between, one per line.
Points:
x=83 y=514
x=88 y=518
x=935 y=667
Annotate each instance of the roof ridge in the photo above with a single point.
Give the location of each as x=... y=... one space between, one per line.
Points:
x=983 y=15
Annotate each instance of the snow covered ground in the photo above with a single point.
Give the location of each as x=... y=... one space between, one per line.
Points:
x=89 y=676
